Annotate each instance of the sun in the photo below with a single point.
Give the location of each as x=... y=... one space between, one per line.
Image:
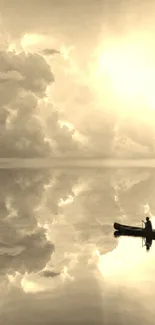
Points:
x=124 y=73
x=123 y=67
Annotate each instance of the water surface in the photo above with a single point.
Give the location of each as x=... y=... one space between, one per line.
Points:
x=59 y=260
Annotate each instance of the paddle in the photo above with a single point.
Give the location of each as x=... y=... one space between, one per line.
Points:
x=142 y=237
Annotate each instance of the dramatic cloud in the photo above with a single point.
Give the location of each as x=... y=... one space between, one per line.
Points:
x=49 y=274
x=51 y=51
x=94 y=89
x=140 y=130
x=24 y=79
x=24 y=132
x=40 y=121
x=11 y=75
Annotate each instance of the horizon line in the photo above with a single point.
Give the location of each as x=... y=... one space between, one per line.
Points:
x=58 y=162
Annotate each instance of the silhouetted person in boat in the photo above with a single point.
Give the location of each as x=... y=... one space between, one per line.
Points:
x=148 y=225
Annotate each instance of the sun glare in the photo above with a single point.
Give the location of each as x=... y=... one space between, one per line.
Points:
x=128 y=262
x=126 y=69
x=125 y=75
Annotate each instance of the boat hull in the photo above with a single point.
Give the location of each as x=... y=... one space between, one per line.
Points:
x=132 y=231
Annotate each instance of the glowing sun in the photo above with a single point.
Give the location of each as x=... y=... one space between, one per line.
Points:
x=126 y=69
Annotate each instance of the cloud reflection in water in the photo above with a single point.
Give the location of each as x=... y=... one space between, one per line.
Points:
x=67 y=251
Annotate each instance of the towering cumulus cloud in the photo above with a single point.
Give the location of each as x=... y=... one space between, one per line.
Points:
x=23 y=81
x=24 y=131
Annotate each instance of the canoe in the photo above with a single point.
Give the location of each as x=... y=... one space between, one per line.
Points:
x=132 y=231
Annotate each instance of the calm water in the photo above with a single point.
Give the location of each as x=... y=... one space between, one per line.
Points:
x=59 y=261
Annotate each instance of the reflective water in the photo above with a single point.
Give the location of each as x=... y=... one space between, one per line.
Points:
x=59 y=261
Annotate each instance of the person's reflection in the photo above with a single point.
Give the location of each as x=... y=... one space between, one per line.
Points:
x=147 y=239
x=148 y=242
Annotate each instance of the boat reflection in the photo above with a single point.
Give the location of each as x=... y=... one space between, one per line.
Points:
x=146 y=240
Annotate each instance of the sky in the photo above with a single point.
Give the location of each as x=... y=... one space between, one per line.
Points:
x=77 y=78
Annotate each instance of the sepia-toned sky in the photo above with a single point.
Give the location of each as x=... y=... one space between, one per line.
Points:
x=77 y=78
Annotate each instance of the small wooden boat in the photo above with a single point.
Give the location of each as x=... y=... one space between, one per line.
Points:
x=132 y=231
